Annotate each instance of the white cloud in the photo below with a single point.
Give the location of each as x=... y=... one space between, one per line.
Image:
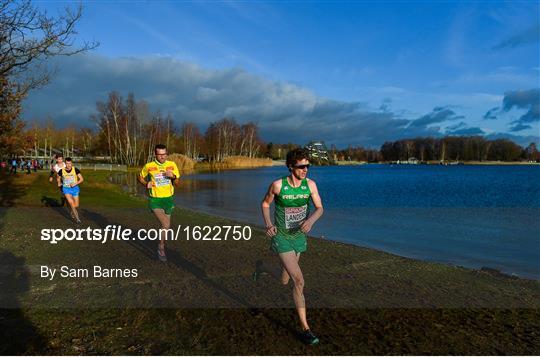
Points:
x=283 y=111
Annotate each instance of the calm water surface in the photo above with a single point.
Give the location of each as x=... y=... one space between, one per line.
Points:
x=473 y=216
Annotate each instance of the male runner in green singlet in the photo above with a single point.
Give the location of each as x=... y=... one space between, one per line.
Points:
x=292 y=222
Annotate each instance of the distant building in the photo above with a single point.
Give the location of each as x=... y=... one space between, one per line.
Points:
x=318 y=152
x=409 y=161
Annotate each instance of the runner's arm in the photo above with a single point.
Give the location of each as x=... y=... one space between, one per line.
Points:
x=176 y=180
x=81 y=179
x=141 y=180
x=142 y=177
x=59 y=178
x=317 y=202
x=51 y=175
x=265 y=206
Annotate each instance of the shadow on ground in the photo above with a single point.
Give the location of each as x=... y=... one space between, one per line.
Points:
x=17 y=333
x=149 y=250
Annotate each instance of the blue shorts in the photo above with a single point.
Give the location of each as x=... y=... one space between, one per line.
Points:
x=74 y=191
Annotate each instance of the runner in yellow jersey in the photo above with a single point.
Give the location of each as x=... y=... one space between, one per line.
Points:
x=69 y=178
x=159 y=177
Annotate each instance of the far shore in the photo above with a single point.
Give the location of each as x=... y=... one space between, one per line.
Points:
x=451 y=163
x=238 y=162
x=356 y=163
x=500 y=163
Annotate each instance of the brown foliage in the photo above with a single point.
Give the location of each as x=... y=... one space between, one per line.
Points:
x=10 y=124
x=183 y=162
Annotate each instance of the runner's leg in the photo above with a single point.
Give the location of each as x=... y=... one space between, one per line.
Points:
x=75 y=206
x=290 y=261
x=165 y=221
x=284 y=275
x=69 y=199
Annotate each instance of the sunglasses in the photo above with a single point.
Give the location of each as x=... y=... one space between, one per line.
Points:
x=301 y=167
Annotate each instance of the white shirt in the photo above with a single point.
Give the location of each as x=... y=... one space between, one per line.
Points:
x=57 y=167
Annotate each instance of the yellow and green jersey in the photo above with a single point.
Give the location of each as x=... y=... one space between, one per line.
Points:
x=155 y=172
x=69 y=177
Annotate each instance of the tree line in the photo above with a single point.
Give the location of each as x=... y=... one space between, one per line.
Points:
x=457 y=148
x=127 y=131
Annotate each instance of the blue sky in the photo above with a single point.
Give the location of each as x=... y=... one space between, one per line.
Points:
x=346 y=72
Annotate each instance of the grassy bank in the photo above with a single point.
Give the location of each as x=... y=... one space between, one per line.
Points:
x=510 y=163
x=203 y=300
x=500 y=163
x=350 y=162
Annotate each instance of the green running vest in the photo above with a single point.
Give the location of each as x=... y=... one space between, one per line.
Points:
x=292 y=208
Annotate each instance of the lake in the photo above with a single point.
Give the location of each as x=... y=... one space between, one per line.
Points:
x=474 y=216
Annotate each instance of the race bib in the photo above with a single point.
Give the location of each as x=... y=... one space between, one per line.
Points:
x=295 y=216
x=161 y=179
x=68 y=180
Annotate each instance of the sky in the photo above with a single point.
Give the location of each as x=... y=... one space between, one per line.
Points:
x=346 y=72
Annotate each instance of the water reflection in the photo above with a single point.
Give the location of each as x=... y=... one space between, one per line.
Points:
x=129 y=183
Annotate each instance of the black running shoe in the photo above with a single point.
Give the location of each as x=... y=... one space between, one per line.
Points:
x=309 y=338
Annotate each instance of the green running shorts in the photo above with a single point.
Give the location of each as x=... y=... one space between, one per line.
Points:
x=164 y=203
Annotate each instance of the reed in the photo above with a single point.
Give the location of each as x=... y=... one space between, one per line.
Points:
x=232 y=162
x=235 y=162
x=183 y=162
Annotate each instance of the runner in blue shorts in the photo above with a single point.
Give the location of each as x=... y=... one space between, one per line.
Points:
x=70 y=177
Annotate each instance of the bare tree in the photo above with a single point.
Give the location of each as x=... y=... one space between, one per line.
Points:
x=143 y=116
x=191 y=138
x=223 y=138
x=155 y=135
x=249 y=140
x=28 y=37
x=129 y=130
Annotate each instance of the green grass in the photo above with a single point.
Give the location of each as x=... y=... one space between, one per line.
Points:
x=361 y=301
